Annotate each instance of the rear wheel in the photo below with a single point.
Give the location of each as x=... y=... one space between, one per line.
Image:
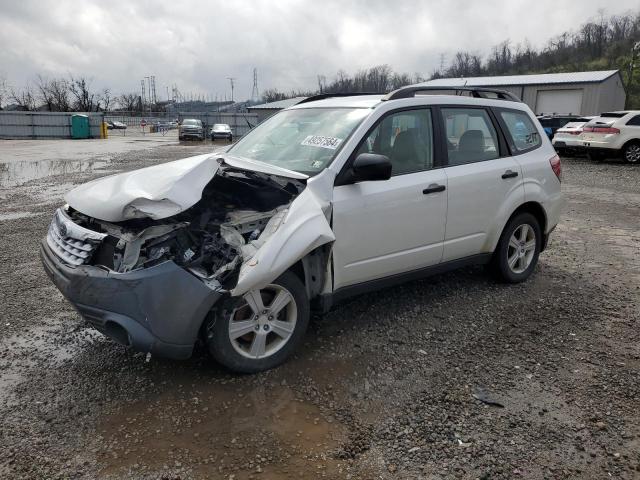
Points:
x=632 y=153
x=517 y=252
x=261 y=329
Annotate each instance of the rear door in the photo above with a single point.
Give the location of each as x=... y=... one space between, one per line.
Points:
x=483 y=181
x=394 y=226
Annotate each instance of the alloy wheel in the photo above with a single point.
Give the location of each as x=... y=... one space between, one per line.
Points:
x=632 y=153
x=521 y=248
x=263 y=322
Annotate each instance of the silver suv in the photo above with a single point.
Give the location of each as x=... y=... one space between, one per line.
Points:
x=331 y=198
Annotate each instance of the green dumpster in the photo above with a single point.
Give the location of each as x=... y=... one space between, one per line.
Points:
x=79 y=126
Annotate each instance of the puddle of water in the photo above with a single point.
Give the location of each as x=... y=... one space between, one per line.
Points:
x=16 y=215
x=24 y=351
x=223 y=431
x=18 y=172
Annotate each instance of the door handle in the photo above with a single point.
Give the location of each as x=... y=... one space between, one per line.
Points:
x=434 y=188
x=509 y=174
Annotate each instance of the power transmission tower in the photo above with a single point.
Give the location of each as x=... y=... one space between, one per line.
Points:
x=231 y=80
x=255 y=96
x=144 y=97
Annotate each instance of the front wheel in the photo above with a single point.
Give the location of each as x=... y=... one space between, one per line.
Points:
x=262 y=328
x=517 y=252
x=632 y=153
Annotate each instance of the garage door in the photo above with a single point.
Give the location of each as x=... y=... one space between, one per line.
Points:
x=559 y=101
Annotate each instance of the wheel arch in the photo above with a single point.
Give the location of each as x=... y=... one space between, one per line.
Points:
x=535 y=209
x=630 y=142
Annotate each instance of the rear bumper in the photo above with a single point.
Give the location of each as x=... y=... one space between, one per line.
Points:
x=158 y=309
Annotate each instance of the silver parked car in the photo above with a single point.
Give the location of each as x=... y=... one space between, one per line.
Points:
x=221 y=130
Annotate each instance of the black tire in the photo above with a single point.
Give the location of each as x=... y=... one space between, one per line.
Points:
x=220 y=345
x=500 y=261
x=180 y=138
x=631 y=153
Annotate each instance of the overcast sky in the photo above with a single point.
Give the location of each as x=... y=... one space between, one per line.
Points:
x=197 y=44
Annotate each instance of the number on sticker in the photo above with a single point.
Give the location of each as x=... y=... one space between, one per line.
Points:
x=321 y=141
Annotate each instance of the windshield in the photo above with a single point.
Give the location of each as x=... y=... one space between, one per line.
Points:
x=191 y=122
x=221 y=126
x=304 y=140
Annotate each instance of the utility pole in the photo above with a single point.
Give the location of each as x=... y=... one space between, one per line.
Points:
x=152 y=90
x=144 y=98
x=254 y=91
x=231 y=80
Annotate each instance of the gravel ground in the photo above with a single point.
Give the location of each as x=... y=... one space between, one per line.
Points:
x=451 y=377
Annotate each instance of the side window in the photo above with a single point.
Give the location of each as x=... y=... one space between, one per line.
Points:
x=524 y=134
x=634 y=121
x=406 y=138
x=471 y=136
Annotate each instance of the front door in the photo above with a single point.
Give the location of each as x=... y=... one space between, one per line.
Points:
x=393 y=226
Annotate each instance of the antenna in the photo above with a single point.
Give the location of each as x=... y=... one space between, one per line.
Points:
x=255 y=96
x=231 y=80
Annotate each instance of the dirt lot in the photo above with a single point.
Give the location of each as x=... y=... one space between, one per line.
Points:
x=386 y=386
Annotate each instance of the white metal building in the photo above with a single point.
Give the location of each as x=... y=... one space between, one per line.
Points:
x=580 y=93
x=265 y=110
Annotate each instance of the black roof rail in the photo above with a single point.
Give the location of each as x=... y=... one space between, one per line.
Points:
x=322 y=96
x=477 y=92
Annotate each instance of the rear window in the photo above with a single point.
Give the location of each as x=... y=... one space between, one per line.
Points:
x=613 y=114
x=524 y=134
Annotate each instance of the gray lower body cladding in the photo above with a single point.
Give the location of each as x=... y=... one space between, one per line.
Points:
x=158 y=309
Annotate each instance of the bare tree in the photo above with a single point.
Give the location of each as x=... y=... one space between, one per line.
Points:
x=25 y=98
x=54 y=94
x=129 y=101
x=273 y=95
x=84 y=100
x=106 y=100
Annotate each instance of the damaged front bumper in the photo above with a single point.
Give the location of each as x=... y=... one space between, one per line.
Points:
x=159 y=309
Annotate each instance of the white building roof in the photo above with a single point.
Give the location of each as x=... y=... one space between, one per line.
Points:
x=279 y=105
x=535 y=79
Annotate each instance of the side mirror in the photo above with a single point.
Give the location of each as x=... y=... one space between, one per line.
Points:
x=371 y=167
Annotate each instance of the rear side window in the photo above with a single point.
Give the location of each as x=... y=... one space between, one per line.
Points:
x=524 y=134
x=634 y=121
x=471 y=136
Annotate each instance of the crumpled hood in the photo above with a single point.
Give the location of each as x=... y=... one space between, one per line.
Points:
x=159 y=191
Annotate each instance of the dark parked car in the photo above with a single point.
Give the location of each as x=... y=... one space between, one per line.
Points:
x=551 y=123
x=114 y=125
x=191 y=128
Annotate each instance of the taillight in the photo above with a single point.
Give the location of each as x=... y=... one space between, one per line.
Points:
x=556 y=166
x=601 y=130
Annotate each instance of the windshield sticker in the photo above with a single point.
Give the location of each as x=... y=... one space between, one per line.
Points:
x=322 y=141
x=317 y=164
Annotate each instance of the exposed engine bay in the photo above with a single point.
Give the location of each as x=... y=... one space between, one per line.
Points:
x=237 y=212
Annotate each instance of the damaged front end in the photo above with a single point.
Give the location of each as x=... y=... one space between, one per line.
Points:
x=148 y=278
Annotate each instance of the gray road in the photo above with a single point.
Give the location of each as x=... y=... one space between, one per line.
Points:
x=384 y=385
